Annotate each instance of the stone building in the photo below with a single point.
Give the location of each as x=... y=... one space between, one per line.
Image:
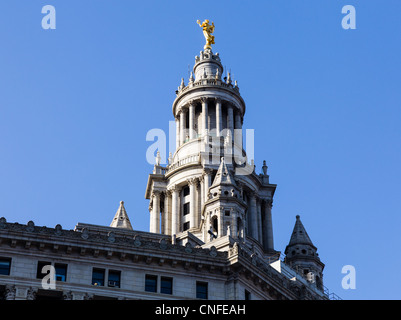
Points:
x=211 y=231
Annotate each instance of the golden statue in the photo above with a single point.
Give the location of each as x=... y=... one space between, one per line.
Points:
x=207 y=32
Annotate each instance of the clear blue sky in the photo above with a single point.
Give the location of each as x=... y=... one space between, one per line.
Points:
x=76 y=104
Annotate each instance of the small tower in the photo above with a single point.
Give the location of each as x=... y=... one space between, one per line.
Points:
x=224 y=209
x=302 y=255
x=121 y=219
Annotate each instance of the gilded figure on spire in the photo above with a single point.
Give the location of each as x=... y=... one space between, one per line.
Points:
x=208 y=29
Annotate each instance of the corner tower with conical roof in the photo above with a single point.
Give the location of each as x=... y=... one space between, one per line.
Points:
x=197 y=196
x=302 y=255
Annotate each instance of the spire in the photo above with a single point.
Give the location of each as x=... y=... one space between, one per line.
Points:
x=121 y=219
x=223 y=175
x=302 y=256
x=299 y=234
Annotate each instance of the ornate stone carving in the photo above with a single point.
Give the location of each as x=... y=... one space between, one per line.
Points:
x=58 y=230
x=30 y=226
x=85 y=233
x=137 y=241
x=111 y=237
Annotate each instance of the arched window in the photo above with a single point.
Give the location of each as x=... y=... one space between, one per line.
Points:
x=215 y=225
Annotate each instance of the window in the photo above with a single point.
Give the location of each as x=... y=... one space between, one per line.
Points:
x=114 y=278
x=247 y=295
x=41 y=264
x=186 y=209
x=185 y=191
x=98 y=277
x=150 y=283
x=5 y=265
x=61 y=271
x=185 y=226
x=215 y=224
x=201 y=290
x=166 y=285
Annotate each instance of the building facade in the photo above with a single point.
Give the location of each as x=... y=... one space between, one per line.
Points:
x=211 y=230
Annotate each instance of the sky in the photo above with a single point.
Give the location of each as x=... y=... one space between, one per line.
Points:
x=76 y=103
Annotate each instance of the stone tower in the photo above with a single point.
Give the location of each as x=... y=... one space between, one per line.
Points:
x=209 y=193
x=302 y=255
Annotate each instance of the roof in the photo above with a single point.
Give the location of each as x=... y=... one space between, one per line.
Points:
x=223 y=175
x=121 y=219
x=299 y=234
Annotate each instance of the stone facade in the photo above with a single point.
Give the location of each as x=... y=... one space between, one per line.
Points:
x=211 y=232
x=134 y=255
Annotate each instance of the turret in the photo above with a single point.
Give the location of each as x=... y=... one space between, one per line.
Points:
x=302 y=255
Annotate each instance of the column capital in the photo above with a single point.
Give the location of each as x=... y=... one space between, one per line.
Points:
x=174 y=188
x=268 y=202
x=155 y=193
x=217 y=99
x=203 y=99
x=192 y=181
x=207 y=171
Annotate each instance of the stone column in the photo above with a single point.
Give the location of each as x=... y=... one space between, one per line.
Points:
x=191 y=120
x=204 y=116
x=198 y=187
x=268 y=244
x=207 y=182
x=219 y=118
x=259 y=219
x=177 y=136
x=253 y=216
x=230 y=119
x=192 y=203
x=220 y=222
x=182 y=126
x=167 y=213
x=155 y=215
x=201 y=192
x=238 y=129
x=174 y=210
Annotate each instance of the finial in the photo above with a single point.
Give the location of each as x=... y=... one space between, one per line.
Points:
x=208 y=29
x=191 y=77
x=217 y=74
x=170 y=158
x=182 y=85
x=158 y=158
x=228 y=78
x=121 y=202
x=264 y=167
x=297 y=216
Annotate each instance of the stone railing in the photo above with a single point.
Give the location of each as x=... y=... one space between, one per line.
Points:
x=208 y=82
x=184 y=161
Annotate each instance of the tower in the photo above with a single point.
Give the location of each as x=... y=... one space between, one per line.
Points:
x=302 y=255
x=209 y=192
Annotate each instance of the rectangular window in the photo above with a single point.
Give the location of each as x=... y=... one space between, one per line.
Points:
x=186 y=209
x=201 y=290
x=185 y=191
x=150 y=283
x=185 y=226
x=166 y=285
x=61 y=271
x=114 y=278
x=41 y=264
x=247 y=295
x=98 y=277
x=5 y=266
